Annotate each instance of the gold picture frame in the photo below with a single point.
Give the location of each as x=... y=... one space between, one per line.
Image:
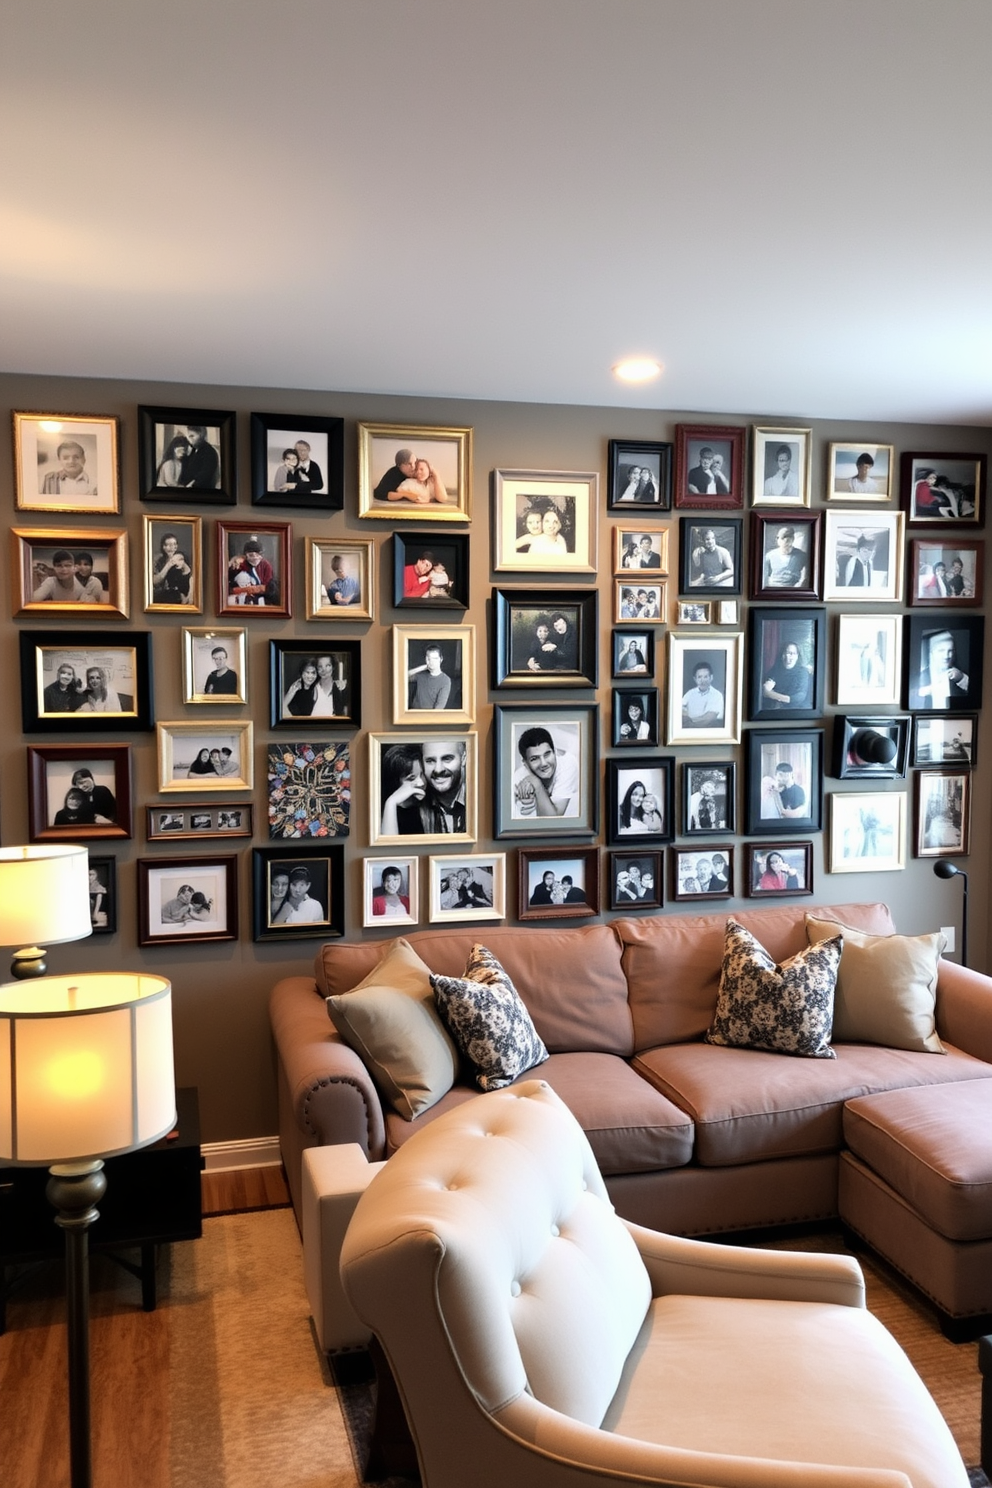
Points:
x=207 y=678
x=49 y=476
x=181 y=746
x=446 y=451
x=320 y=573
x=47 y=576
x=455 y=645
x=173 y=575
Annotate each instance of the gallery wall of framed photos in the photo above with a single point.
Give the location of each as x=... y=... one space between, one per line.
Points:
x=354 y=665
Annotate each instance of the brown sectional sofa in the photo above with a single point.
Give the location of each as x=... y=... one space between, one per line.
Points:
x=692 y=1138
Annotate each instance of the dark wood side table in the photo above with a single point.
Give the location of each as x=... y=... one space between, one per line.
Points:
x=153 y=1197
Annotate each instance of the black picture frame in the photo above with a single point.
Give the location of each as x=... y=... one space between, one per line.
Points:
x=645 y=495
x=783 y=570
x=655 y=775
x=797 y=865
x=625 y=644
x=288 y=672
x=709 y=812
x=53 y=770
x=786 y=663
x=967 y=640
x=45 y=707
x=769 y=789
x=635 y=729
x=688 y=880
x=647 y=892
x=699 y=575
x=327 y=454
x=564 y=657
x=869 y=747
x=103 y=894
x=450 y=551
x=159 y=427
x=955 y=744
x=536 y=900
x=165 y=882
x=326 y=868
x=955 y=489
x=574 y=733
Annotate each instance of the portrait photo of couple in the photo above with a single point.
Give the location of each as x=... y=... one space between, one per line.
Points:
x=295 y=463
x=298 y=892
x=187 y=457
x=544 y=639
x=406 y=471
x=636 y=881
x=426 y=787
x=562 y=884
x=84 y=683
x=640 y=475
x=81 y=796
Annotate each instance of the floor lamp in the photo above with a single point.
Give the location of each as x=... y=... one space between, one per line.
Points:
x=86 y=1073
x=944 y=869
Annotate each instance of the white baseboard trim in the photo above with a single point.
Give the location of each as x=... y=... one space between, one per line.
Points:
x=258 y=1152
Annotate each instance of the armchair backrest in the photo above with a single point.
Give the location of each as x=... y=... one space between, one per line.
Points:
x=488 y=1244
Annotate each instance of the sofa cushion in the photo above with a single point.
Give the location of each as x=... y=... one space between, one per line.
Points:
x=488 y=1021
x=581 y=1005
x=785 y=1009
x=672 y=962
x=886 y=986
x=632 y=1128
x=748 y=1106
x=391 y=1021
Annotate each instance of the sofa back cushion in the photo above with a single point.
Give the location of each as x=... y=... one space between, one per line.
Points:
x=571 y=980
x=672 y=962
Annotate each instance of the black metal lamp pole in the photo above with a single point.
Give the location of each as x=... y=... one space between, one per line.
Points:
x=73 y=1189
x=944 y=869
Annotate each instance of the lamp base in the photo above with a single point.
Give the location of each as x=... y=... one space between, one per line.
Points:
x=28 y=963
x=74 y=1188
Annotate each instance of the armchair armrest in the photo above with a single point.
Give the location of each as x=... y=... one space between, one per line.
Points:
x=699 y=1268
x=964 y=1009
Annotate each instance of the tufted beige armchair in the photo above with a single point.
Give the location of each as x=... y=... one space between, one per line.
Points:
x=539 y=1341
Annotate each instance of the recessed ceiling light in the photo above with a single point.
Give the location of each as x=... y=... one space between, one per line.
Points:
x=637 y=369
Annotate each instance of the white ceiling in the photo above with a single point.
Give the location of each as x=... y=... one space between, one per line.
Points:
x=786 y=201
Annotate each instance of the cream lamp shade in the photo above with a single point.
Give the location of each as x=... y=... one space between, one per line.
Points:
x=44 y=895
x=86 y=1066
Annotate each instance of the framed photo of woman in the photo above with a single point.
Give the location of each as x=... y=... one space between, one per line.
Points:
x=391 y=891
x=433 y=674
x=318 y=686
x=173 y=548
x=780 y=869
x=414 y=473
x=635 y=717
x=640 y=475
x=545 y=521
x=703 y=873
x=946 y=574
x=786 y=649
x=545 y=639
x=944 y=489
x=640 y=800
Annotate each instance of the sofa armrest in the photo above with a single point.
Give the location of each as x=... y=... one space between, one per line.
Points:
x=964 y=1009
x=330 y=1092
x=701 y=1269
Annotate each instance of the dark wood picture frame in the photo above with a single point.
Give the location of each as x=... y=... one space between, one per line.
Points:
x=449 y=551
x=655 y=774
x=765 y=751
x=150 y=932
x=639 y=895
x=954 y=591
x=869 y=747
x=624 y=495
x=272 y=598
x=693 y=578
x=42 y=709
x=951 y=499
x=329 y=495
x=722 y=855
x=959 y=751
x=778 y=691
x=330 y=886
x=103 y=894
x=756 y=863
x=511 y=631
x=782 y=575
x=174 y=821
x=690 y=440
x=529 y=861
x=150 y=459
x=347 y=659
x=77 y=757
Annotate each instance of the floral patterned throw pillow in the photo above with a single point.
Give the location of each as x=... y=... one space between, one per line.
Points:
x=785 y=1009
x=487 y=1020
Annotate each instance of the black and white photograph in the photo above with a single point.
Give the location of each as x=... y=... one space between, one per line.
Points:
x=340 y=579
x=80 y=572
x=869 y=653
x=706 y=873
x=205 y=756
x=635 y=880
x=633 y=653
x=867 y=831
x=640 y=474
x=694 y=612
x=945 y=739
x=297 y=891
x=704 y=688
x=66 y=463
x=708 y=798
x=784 y=781
x=103 y=894
x=546 y=770
x=215 y=665
x=640 y=799
x=430 y=571
x=253 y=569
x=944 y=663
x=778 y=869
x=423 y=789
x=414 y=473
x=79 y=791
x=187 y=455
x=297 y=461
x=433 y=674
x=785 y=549
x=173 y=568
x=780 y=467
x=199 y=819
x=76 y=679
x=322 y=683
x=471 y=886
x=861 y=472
x=863 y=554
x=635 y=716
x=545 y=520
x=557 y=883
x=944 y=489
x=545 y=639
x=943 y=813
x=638 y=603
x=709 y=466
x=636 y=548
x=710 y=555
x=786 y=661
x=391 y=891
x=867 y=748
x=946 y=574
x=182 y=900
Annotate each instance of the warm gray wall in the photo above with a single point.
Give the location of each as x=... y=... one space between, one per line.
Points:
x=220 y=991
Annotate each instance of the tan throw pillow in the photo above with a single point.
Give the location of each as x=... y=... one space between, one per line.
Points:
x=783 y=1009
x=886 y=987
x=391 y=1021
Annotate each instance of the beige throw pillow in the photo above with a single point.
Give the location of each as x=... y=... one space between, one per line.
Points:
x=886 y=987
x=391 y=1021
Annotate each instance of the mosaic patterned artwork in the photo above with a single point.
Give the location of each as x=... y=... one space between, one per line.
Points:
x=309 y=790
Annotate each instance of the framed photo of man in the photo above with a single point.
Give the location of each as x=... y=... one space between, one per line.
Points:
x=780 y=467
x=321 y=685
x=173 y=549
x=545 y=520
x=414 y=473
x=557 y=883
x=702 y=873
x=423 y=789
x=786 y=650
x=66 y=462
x=944 y=664
x=946 y=574
x=869 y=653
x=81 y=572
x=253 y=569
x=391 y=894
x=710 y=556
x=103 y=894
x=215 y=665
x=78 y=791
x=708 y=798
x=863 y=557
x=214 y=756
x=187 y=455
x=182 y=901
x=635 y=717
x=784 y=781
x=640 y=475
x=945 y=739
x=545 y=638
x=943 y=813
x=470 y=886
x=861 y=472
x=297 y=891
x=633 y=654
x=78 y=680
x=948 y=489
x=778 y=869
x=297 y=460
x=340 y=579
x=635 y=880
x=705 y=692
x=546 y=770
x=430 y=571
x=433 y=674
x=709 y=466
x=785 y=551
x=637 y=548
x=867 y=831
x=640 y=795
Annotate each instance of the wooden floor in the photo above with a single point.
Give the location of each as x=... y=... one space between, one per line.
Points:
x=238 y=1189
